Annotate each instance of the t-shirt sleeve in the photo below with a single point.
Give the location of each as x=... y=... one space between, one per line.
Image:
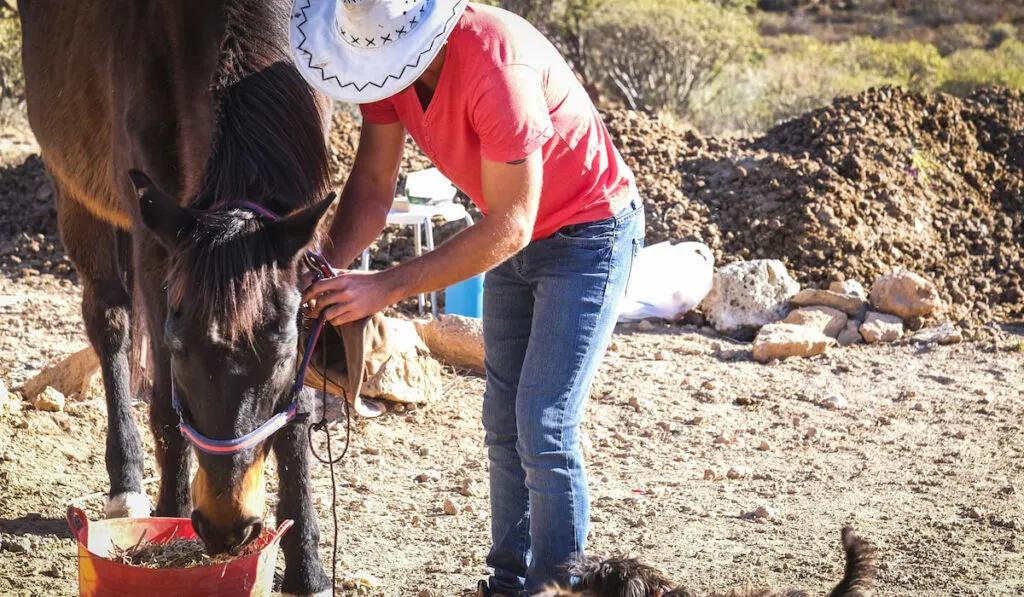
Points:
x=381 y=112
x=510 y=114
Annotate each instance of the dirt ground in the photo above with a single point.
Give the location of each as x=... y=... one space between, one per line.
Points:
x=924 y=456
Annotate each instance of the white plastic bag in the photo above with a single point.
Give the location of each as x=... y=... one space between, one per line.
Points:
x=667 y=281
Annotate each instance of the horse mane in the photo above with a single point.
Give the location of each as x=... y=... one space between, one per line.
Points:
x=269 y=148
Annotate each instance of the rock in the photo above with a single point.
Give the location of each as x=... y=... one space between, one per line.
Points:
x=450 y=508
x=662 y=355
x=976 y=513
x=810 y=297
x=72 y=376
x=835 y=402
x=10 y=403
x=749 y=294
x=49 y=400
x=946 y=333
x=427 y=476
x=760 y=513
x=725 y=439
x=709 y=475
x=905 y=294
x=848 y=287
x=826 y=320
x=850 y=334
x=634 y=402
x=764 y=446
x=961 y=434
x=18 y=545
x=454 y=339
x=467 y=489
x=783 y=340
x=736 y=473
x=645 y=326
x=668 y=426
x=880 y=327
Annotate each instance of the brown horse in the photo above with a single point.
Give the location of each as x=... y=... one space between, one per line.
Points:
x=202 y=97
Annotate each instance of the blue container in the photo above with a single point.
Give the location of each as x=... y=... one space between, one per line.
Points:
x=465 y=298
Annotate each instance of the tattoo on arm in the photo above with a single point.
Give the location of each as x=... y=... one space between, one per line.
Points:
x=517 y=162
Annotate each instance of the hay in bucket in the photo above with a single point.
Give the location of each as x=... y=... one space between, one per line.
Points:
x=176 y=553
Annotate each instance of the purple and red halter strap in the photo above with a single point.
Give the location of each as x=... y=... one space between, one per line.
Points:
x=322 y=269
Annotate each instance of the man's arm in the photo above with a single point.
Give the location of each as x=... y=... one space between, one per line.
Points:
x=368 y=192
x=512 y=192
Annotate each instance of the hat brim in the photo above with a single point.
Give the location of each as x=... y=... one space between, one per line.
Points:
x=365 y=75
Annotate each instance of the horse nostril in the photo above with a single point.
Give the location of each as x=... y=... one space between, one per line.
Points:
x=248 y=532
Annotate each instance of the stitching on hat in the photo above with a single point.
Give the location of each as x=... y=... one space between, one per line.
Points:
x=360 y=88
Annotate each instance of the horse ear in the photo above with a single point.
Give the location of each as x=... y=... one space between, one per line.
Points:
x=295 y=232
x=160 y=212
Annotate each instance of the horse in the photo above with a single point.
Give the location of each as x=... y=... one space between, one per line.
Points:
x=162 y=124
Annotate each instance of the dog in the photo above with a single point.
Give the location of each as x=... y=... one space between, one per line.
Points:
x=629 y=577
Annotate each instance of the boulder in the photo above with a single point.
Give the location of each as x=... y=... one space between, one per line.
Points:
x=456 y=340
x=749 y=294
x=850 y=334
x=783 y=340
x=946 y=333
x=905 y=294
x=881 y=327
x=826 y=320
x=847 y=303
x=849 y=287
x=71 y=376
x=411 y=375
x=49 y=400
x=406 y=374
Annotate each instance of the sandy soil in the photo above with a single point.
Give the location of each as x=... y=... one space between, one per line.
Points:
x=924 y=458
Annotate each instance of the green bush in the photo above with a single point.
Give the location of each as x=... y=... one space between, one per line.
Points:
x=656 y=55
x=802 y=74
x=12 y=81
x=968 y=70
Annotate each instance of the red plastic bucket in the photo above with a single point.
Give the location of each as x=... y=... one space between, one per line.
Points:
x=247 y=576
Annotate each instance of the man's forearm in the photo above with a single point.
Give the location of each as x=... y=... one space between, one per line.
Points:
x=360 y=218
x=471 y=252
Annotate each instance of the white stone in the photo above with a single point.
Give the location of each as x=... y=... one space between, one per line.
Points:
x=849 y=287
x=49 y=400
x=827 y=320
x=881 y=327
x=749 y=294
x=783 y=340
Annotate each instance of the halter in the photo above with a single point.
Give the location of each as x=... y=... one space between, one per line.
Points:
x=322 y=269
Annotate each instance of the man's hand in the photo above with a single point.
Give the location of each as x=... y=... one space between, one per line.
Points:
x=350 y=295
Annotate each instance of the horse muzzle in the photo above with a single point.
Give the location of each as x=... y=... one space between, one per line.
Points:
x=229 y=516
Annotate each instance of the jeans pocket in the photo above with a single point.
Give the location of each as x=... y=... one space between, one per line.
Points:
x=597 y=232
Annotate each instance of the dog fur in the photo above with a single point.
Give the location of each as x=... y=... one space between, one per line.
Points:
x=621 y=576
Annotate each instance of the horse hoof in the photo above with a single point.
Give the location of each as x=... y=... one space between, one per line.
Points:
x=128 y=505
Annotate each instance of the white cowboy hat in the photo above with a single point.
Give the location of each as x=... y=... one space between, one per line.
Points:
x=362 y=51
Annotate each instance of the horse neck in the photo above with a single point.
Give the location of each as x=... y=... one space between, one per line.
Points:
x=268 y=145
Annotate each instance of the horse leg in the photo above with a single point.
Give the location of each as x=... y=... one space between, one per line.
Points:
x=303 y=573
x=94 y=247
x=172 y=451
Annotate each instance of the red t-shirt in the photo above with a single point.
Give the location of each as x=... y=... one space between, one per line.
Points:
x=504 y=93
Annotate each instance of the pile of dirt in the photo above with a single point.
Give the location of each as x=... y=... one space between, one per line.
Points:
x=877 y=182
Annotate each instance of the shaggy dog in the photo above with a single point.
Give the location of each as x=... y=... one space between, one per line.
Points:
x=628 y=577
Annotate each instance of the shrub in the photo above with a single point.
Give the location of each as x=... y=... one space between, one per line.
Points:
x=662 y=54
x=12 y=81
x=970 y=69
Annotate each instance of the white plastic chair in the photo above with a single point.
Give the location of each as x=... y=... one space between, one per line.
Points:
x=421 y=217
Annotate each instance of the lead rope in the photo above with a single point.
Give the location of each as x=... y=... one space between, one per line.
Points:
x=330 y=461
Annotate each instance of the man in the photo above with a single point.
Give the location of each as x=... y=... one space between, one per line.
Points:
x=500 y=113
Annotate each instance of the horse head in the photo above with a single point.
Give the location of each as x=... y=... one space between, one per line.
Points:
x=232 y=333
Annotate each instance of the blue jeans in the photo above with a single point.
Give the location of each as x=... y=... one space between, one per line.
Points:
x=549 y=313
